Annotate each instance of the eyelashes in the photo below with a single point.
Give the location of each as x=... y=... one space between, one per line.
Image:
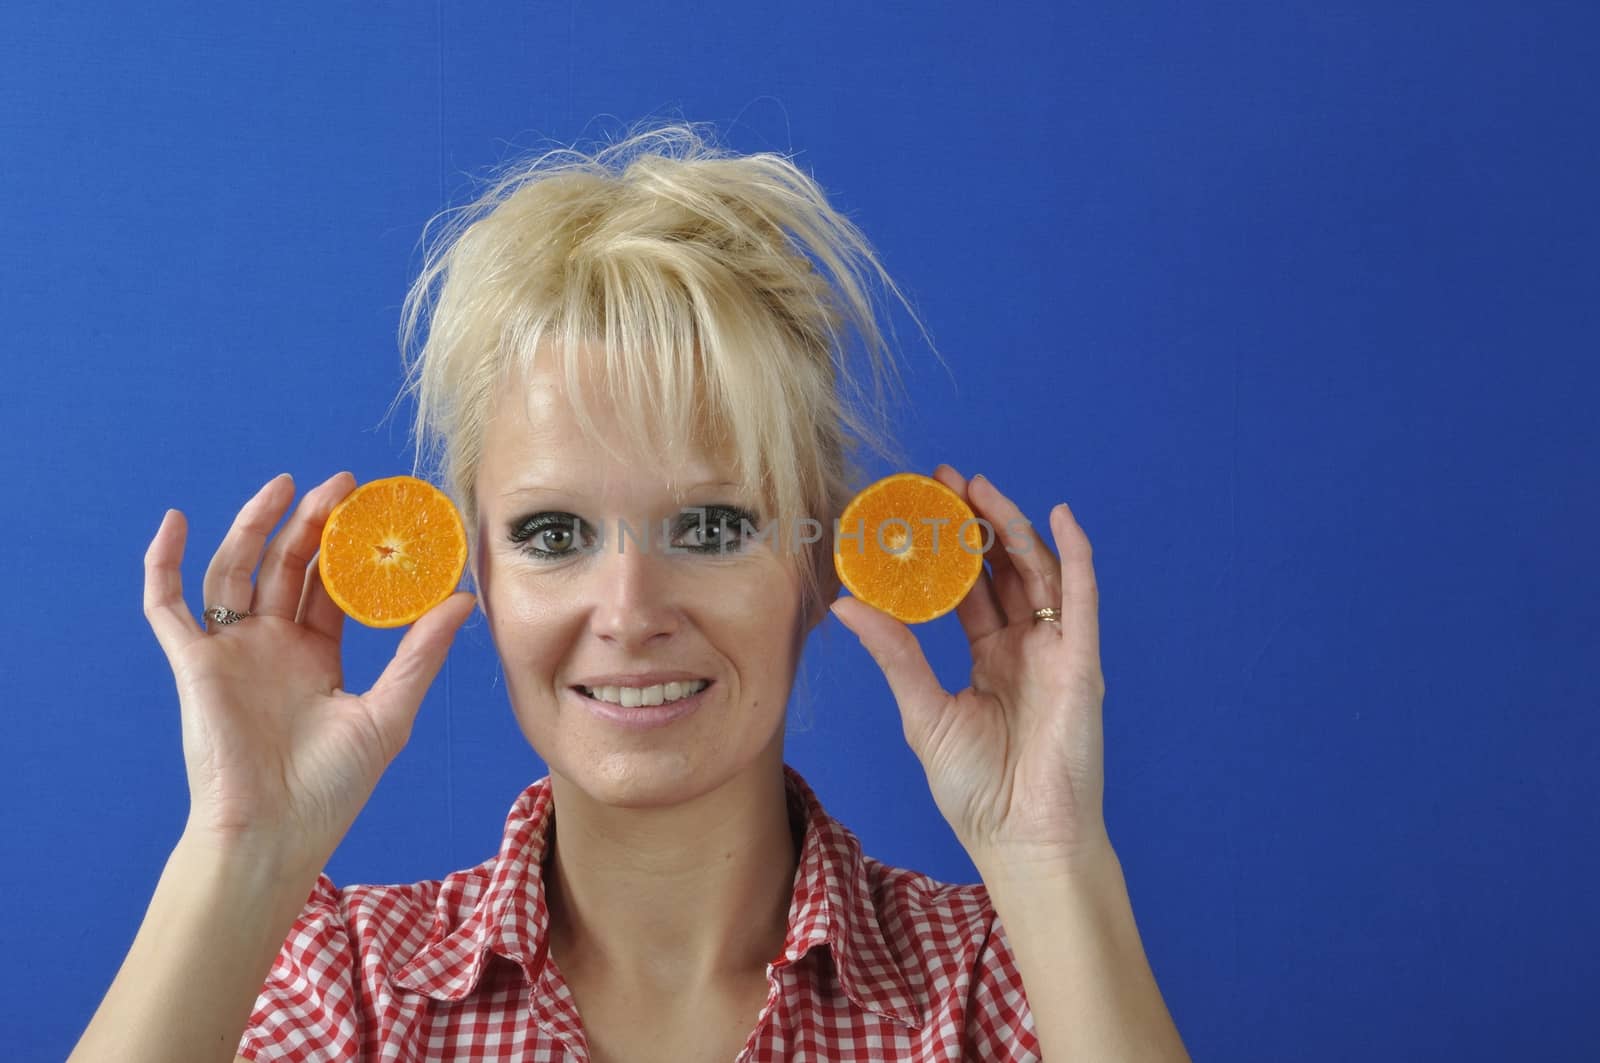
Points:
x=551 y=534
x=717 y=529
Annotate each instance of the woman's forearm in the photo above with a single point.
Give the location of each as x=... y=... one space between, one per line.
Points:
x=213 y=927
x=1089 y=985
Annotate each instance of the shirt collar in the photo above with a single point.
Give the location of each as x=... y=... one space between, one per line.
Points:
x=499 y=907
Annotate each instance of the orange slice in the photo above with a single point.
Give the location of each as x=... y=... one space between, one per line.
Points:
x=392 y=550
x=910 y=546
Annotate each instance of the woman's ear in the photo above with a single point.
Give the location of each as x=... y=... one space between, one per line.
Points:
x=828 y=588
x=474 y=572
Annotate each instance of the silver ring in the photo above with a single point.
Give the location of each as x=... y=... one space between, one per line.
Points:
x=1048 y=615
x=222 y=616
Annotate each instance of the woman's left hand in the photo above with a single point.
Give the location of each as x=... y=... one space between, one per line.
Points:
x=1015 y=761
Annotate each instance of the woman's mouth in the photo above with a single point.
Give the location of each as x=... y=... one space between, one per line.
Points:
x=630 y=697
x=644 y=708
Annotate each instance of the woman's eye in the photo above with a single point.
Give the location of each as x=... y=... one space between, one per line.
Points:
x=553 y=539
x=715 y=529
x=548 y=534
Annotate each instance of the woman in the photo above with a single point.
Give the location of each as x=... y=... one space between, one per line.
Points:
x=635 y=374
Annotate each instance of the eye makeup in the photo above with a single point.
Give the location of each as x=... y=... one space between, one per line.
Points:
x=716 y=529
x=551 y=534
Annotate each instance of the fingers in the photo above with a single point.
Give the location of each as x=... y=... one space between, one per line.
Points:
x=1080 y=607
x=227 y=581
x=317 y=610
x=899 y=656
x=281 y=582
x=397 y=694
x=1008 y=583
x=169 y=618
x=979 y=612
x=1027 y=576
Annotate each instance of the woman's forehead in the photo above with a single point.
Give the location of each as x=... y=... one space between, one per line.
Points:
x=556 y=480
x=577 y=463
x=537 y=401
x=554 y=455
x=533 y=413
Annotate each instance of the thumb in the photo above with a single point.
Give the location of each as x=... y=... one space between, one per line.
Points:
x=397 y=694
x=899 y=655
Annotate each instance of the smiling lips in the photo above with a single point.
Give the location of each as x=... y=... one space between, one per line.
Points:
x=630 y=697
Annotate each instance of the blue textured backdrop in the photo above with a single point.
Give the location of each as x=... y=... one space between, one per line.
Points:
x=1294 y=303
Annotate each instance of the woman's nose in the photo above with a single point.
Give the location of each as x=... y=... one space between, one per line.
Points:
x=634 y=600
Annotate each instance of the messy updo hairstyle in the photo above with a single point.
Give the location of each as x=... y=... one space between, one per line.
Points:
x=729 y=300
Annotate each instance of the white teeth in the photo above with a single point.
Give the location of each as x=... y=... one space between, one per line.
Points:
x=633 y=697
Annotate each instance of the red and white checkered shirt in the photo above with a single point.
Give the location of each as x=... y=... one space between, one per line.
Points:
x=879 y=964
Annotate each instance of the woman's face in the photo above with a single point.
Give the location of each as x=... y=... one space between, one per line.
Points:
x=584 y=592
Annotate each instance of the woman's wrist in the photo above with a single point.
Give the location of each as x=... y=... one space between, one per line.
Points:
x=264 y=860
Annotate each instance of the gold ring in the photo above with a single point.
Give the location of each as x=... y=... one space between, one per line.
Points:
x=1048 y=615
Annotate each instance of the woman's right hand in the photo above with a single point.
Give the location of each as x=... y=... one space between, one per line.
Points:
x=279 y=756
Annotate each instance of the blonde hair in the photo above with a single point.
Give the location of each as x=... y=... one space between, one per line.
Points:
x=722 y=292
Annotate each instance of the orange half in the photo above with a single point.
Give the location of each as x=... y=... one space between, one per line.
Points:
x=909 y=546
x=391 y=550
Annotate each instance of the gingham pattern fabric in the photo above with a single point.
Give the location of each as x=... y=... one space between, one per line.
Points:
x=880 y=963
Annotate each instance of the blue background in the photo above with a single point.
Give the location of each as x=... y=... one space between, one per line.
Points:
x=1295 y=303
